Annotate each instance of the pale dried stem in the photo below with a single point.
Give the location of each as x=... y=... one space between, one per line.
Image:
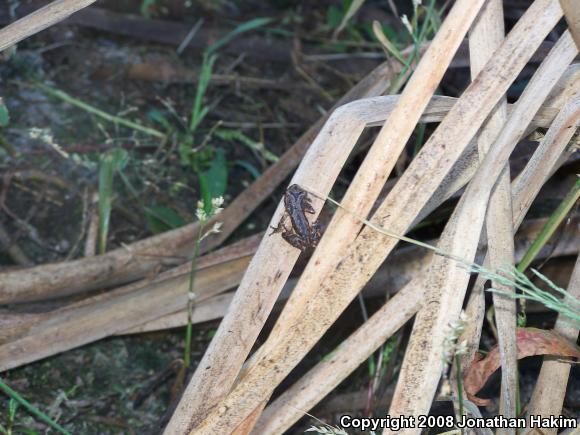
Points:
x=210 y=309
x=572 y=15
x=294 y=336
x=422 y=367
x=39 y=20
x=219 y=368
x=550 y=153
x=318 y=382
x=485 y=37
x=103 y=315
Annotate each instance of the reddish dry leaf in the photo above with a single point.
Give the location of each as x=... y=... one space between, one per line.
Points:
x=530 y=342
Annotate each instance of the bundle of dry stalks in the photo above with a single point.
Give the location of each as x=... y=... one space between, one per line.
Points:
x=467 y=155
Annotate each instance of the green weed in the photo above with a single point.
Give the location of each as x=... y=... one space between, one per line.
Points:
x=17 y=400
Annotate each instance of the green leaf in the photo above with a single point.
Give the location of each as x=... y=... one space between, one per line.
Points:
x=352 y=9
x=386 y=42
x=259 y=147
x=160 y=118
x=4 y=115
x=184 y=149
x=249 y=167
x=112 y=161
x=146 y=7
x=161 y=218
x=242 y=28
x=333 y=17
x=198 y=112
x=213 y=181
x=12 y=407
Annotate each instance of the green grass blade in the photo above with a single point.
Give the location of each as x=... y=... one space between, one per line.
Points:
x=111 y=161
x=242 y=28
x=4 y=114
x=551 y=225
x=213 y=181
x=259 y=147
x=31 y=408
x=352 y=9
x=386 y=43
x=199 y=112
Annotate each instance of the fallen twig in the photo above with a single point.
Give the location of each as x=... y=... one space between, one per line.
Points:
x=40 y=19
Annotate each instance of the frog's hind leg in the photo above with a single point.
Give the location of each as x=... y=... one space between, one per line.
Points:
x=294 y=240
x=317 y=228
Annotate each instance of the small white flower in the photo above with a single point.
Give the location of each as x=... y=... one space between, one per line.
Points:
x=216 y=205
x=216 y=228
x=217 y=202
x=201 y=214
x=407 y=24
x=450 y=345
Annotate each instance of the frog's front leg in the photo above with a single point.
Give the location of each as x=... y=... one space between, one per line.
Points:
x=307 y=206
x=281 y=227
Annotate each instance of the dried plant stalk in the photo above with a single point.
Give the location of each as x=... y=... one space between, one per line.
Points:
x=485 y=37
x=572 y=15
x=327 y=374
x=130 y=301
x=210 y=309
x=102 y=316
x=444 y=294
x=224 y=357
x=39 y=20
x=551 y=151
x=298 y=329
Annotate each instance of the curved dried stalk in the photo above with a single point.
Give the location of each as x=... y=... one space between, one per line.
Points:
x=318 y=382
x=422 y=367
x=485 y=37
x=218 y=369
x=311 y=310
x=39 y=20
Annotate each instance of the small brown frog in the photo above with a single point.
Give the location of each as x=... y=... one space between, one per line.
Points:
x=302 y=235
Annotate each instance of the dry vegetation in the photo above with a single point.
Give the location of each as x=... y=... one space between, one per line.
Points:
x=143 y=157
